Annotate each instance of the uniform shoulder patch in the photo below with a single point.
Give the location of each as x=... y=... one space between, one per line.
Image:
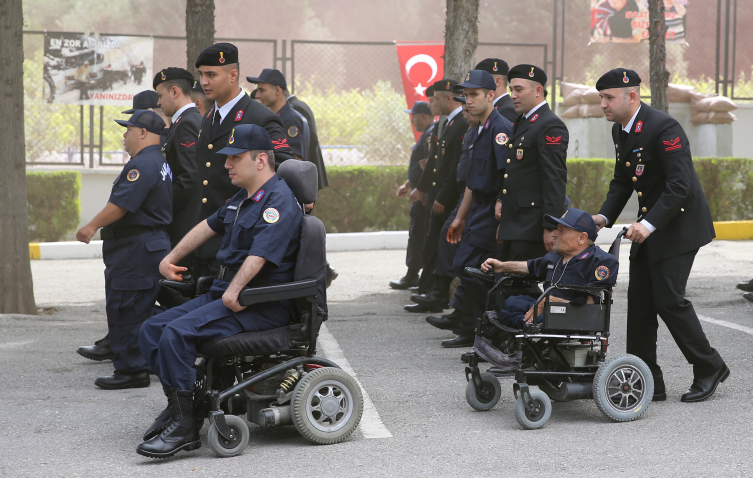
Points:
x=553 y=140
x=292 y=131
x=133 y=175
x=672 y=143
x=602 y=273
x=271 y=215
x=501 y=138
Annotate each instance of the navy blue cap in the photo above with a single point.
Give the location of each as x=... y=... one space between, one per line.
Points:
x=477 y=79
x=149 y=120
x=459 y=99
x=420 y=107
x=247 y=137
x=271 y=76
x=577 y=219
x=143 y=101
x=618 y=78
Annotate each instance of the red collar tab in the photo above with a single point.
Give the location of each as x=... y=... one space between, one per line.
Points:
x=259 y=195
x=239 y=115
x=486 y=125
x=534 y=117
x=209 y=113
x=638 y=126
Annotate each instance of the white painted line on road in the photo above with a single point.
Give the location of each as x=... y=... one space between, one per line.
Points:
x=724 y=323
x=371 y=424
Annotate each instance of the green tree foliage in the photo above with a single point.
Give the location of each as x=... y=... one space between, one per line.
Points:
x=52 y=203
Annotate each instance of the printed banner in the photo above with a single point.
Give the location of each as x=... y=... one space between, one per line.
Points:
x=97 y=70
x=421 y=64
x=626 y=21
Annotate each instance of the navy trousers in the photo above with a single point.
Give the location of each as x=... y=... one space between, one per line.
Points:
x=169 y=340
x=414 y=257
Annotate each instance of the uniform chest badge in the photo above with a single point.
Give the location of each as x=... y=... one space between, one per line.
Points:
x=239 y=115
x=271 y=215
x=501 y=138
x=259 y=195
x=428 y=140
x=292 y=131
x=602 y=273
x=534 y=118
x=519 y=154
x=639 y=169
x=133 y=175
x=638 y=126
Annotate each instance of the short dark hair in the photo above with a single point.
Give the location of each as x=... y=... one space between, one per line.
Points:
x=270 y=157
x=183 y=85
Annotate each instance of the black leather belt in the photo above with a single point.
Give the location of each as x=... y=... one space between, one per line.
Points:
x=482 y=198
x=111 y=234
x=226 y=274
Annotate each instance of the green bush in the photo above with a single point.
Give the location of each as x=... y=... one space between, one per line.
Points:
x=52 y=203
x=362 y=198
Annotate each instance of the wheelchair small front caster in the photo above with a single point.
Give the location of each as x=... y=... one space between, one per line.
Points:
x=483 y=398
x=236 y=444
x=539 y=415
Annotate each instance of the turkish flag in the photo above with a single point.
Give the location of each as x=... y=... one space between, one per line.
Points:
x=421 y=64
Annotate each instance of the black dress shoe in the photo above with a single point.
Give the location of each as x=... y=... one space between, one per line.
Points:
x=404 y=282
x=703 y=388
x=422 y=308
x=121 y=380
x=416 y=289
x=747 y=285
x=660 y=393
x=331 y=275
x=444 y=322
x=431 y=297
x=99 y=351
x=457 y=342
x=182 y=434
x=748 y=296
x=466 y=357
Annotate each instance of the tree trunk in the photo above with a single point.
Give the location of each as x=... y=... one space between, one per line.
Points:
x=658 y=55
x=199 y=30
x=460 y=38
x=16 y=289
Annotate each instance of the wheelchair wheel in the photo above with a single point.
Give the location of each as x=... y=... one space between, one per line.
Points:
x=327 y=405
x=233 y=447
x=623 y=388
x=485 y=397
x=538 y=418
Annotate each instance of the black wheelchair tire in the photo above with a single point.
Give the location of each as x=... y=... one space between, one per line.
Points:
x=608 y=376
x=225 y=448
x=483 y=400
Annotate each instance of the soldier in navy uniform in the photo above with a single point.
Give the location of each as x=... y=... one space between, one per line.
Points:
x=475 y=225
x=220 y=80
x=439 y=180
x=502 y=101
x=653 y=159
x=422 y=120
x=134 y=242
x=260 y=228
x=271 y=86
x=536 y=173
x=148 y=100
x=315 y=149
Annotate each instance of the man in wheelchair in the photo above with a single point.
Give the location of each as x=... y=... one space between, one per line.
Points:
x=574 y=261
x=261 y=226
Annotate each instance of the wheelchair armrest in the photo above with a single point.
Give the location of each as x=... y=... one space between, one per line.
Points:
x=204 y=284
x=274 y=293
x=186 y=289
x=484 y=277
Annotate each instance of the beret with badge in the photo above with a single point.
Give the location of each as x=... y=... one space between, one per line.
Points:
x=170 y=74
x=219 y=54
x=527 y=72
x=494 y=66
x=618 y=78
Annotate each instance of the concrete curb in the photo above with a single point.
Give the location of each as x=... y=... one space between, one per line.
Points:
x=358 y=241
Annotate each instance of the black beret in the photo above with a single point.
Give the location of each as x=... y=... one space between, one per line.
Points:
x=429 y=91
x=618 y=78
x=217 y=55
x=172 y=73
x=445 y=85
x=527 y=72
x=197 y=87
x=253 y=93
x=495 y=66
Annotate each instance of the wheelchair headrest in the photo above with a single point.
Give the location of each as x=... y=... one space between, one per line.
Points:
x=302 y=178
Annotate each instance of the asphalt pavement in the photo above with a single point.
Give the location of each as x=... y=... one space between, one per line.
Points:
x=55 y=422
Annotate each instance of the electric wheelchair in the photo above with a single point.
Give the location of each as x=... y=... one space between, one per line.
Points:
x=273 y=377
x=565 y=356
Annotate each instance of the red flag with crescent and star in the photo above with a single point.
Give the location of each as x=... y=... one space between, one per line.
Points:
x=421 y=64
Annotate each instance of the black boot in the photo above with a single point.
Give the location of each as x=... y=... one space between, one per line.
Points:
x=163 y=419
x=181 y=434
x=331 y=275
x=99 y=351
x=409 y=280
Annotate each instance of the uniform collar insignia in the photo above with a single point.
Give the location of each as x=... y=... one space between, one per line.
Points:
x=534 y=117
x=239 y=115
x=638 y=127
x=584 y=255
x=259 y=195
x=486 y=125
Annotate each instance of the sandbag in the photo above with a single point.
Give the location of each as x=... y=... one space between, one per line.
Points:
x=567 y=88
x=590 y=97
x=695 y=97
x=573 y=98
x=679 y=93
x=718 y=104
x=571 y=112
x=591 y=111
x=712 y=117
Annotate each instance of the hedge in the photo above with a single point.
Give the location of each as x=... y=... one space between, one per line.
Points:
x=52 y=204
x=362 y=198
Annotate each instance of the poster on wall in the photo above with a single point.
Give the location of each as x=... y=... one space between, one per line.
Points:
x=85 y=69
x=626 y=21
